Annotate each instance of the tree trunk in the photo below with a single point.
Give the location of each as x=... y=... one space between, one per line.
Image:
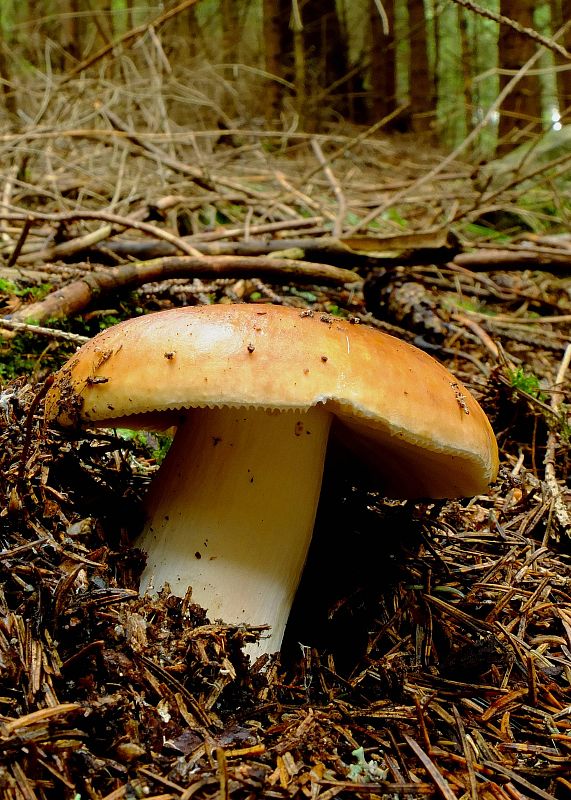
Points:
x=383 y=61
x=561 y=13
x=8 y=93
x=466 y=51
x=230 y=12
x=521 y=110
x=421 y=80
x=182 y=40
x=277 y=53
x=184 y=44
x=326 y=57
x=70 y=37
x=99 y=18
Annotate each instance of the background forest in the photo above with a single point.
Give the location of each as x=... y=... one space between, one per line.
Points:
x=435 y=68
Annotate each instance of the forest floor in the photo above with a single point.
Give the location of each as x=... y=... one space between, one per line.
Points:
x=436 y=658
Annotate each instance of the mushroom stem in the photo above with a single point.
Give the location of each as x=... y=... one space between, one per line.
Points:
x=232 y=510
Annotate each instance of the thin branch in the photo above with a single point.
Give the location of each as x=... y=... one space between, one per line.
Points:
x=77 y=295
x=104 y=216
x=501 y=19
x=557 y=396
x=350 y=144
x=439 y=780
x=152 y=151
x=140 y=30
x=51 y=333
x=335 y=185
x=383 y=15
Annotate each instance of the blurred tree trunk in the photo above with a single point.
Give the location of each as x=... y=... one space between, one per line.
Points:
x=230 y=11
x=7 y=78
x=383 y=60
x=467 y=64
x=70 y=39
x=79 y=28
x=522 y=108
x=560 y=14
x=326 y=56
x=183 y=40
x=278 y=46
x=422 y=91
x=99 y=19
x=8 y=93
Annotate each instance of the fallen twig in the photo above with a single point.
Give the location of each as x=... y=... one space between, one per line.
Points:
x=52 y=333
x=74 y=297
x=559 y=506
x=440 y=782
x=335 y=185
x=103 y=216
x=151 y=151
x=134 y=33
x=62 y=250
x=368 y=251
x=528 y=258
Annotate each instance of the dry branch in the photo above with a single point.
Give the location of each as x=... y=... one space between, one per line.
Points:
x=526 y=258
x=512 y=23
x=134 y=33
x=76 y=296
x=38 y=330
x=366 y=251
x=67 y=248
x=560 y=509
x=151 y=151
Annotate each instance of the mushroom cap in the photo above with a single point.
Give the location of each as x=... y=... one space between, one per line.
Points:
x=410 y=418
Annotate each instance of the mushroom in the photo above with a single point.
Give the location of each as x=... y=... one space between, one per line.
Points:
x=254 y=391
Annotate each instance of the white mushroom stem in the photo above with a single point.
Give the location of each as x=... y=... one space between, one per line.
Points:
x=231 y=512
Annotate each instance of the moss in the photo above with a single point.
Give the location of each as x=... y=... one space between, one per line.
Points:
x=27 y=354
x=526 y=381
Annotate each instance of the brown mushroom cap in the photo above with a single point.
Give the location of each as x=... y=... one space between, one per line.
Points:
x=417 y=425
